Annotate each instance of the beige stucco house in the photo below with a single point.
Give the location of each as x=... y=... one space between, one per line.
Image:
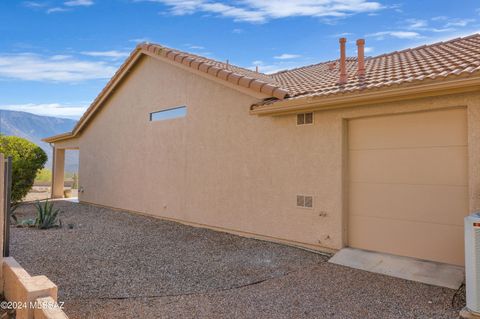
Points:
x=379 y=153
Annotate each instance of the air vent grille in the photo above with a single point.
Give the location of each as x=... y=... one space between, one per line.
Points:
x=305 y=201
x=305 y=118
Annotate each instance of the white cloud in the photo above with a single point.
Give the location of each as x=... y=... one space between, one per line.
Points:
x=416 y=23
x=57 y=9
x=77 y=3
x=458 y=22
x=424 y=25
x=34 y=67
x=274 y=67
x=369 y=49
x=286 y=56
x=237 y=31
x=48 y=109
x=395 y=34
x=341 y=35
x=34 y=4
x=259 y=11
x=196 y=47
x=450 y=24
x=113 y=54
x=139 y=40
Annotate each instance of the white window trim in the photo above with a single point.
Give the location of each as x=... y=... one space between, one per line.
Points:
x=150 y=115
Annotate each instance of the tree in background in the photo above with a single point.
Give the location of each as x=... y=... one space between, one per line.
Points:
x=27 y=160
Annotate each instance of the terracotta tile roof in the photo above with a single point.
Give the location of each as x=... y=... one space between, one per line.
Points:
x=436 y=62
x=457 y=57
x=237 y=75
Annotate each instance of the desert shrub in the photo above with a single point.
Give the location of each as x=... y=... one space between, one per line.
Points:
x=27 y=159
x=47 y=216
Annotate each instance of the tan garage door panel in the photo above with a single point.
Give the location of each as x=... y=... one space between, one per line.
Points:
x=433 y=165
x=422 y=203
x=442 y=243
x=410 y=130
x=408 y=189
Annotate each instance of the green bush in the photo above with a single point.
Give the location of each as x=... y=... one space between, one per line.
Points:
x=28 y=159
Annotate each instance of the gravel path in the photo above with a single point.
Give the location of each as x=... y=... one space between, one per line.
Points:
x=114 y=264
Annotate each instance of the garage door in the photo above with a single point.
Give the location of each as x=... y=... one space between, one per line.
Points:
x=408 y=189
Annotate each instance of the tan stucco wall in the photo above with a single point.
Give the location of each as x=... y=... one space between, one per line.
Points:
x=220 y=166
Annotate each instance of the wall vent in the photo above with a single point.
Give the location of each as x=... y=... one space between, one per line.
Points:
x=305 y=118
x=305 y=201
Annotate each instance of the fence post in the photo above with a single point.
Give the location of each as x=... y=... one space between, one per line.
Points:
x=7 y=191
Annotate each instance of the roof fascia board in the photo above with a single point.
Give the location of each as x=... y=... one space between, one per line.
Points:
x=363 y=98
x=244 y=90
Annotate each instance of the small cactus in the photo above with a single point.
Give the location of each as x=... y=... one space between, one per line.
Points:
x=46 y=217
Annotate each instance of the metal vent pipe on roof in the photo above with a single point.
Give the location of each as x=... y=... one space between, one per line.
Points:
x=343 y=67
x=361 y=57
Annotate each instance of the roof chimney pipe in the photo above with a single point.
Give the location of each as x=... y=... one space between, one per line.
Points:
x=361 y=57
x=343 y=67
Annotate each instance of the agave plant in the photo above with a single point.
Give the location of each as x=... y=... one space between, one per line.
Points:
x=47 y=216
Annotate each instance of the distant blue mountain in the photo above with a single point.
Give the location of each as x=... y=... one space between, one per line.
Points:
x=34 y=127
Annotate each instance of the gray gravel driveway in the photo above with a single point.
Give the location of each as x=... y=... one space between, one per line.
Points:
x=114 y=264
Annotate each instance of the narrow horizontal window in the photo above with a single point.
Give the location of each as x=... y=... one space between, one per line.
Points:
x=168 y=114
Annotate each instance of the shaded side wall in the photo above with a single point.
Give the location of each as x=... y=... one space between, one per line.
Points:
x=220 y=166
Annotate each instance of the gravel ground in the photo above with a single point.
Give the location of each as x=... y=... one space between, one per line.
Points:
x=114 y=264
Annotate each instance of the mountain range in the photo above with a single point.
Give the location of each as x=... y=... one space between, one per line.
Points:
x=35 y=127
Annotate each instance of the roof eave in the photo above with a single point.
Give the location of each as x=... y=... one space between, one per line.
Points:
x=143 y=49
x=359 y=98
x=58 y=138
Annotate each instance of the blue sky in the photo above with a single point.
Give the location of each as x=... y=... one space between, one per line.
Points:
x=55 y=56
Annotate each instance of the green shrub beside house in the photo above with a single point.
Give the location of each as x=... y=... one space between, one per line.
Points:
x=27 y=160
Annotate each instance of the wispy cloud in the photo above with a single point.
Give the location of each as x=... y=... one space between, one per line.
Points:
x=57 y=9
x=416 y=23
x=423 y=25
x=278 y=66
x=78 y=3
x=395 y=34
x=51 y=8
x=341 y=35
x=34 y=4
x=458 y=22
x=139 y=40
x=34 y=67
x=113 y=54
x=195 y=47
x=48 y=109
x=286 y=56
x=455 y=22
x=259 y=11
